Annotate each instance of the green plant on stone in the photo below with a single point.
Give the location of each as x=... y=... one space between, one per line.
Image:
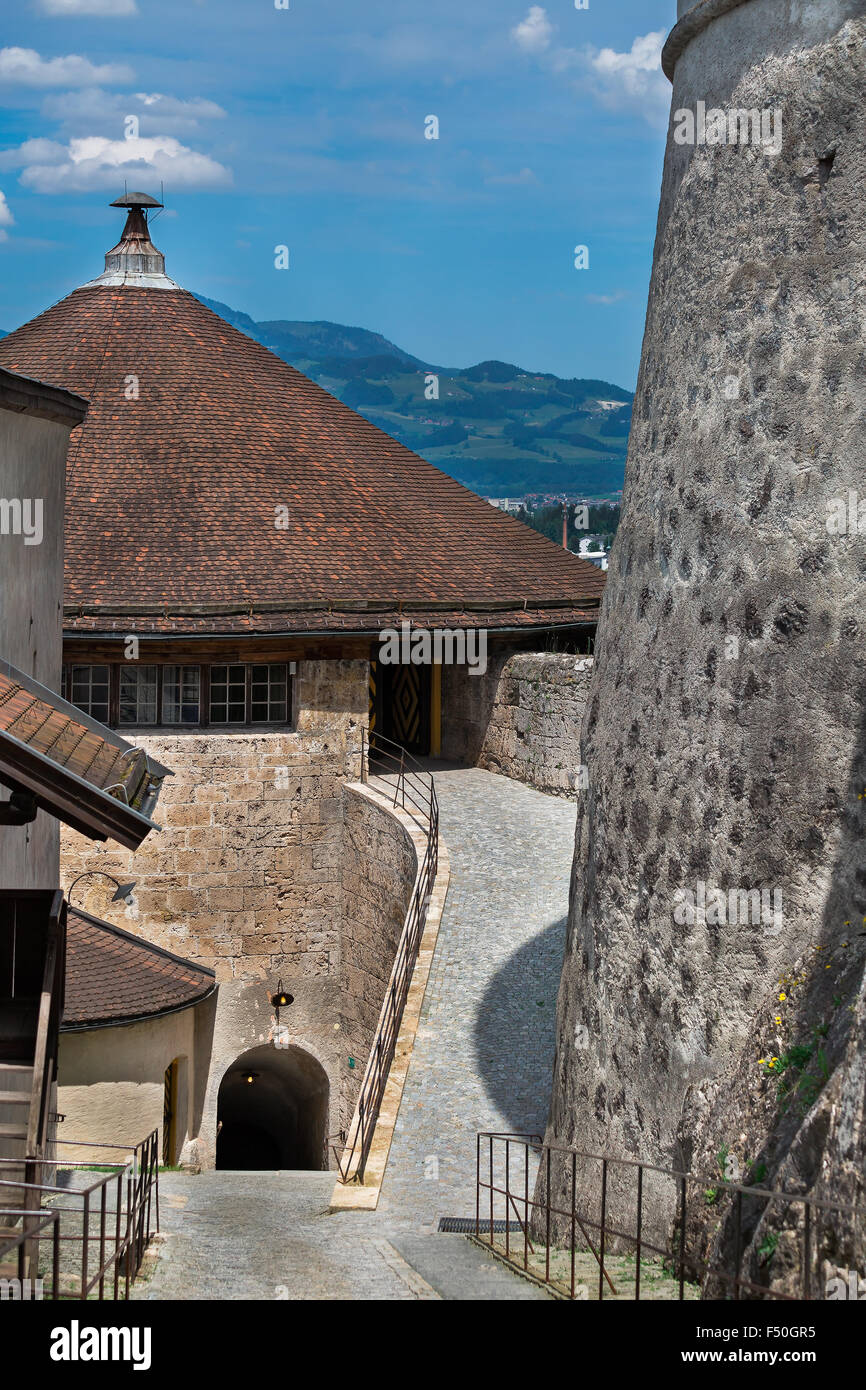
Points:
x=767 y=1249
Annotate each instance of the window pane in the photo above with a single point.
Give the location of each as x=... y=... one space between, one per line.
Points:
x=138 y=695
x=180 y=694
x=269 y=694
x=228 y=694
x=88 y=689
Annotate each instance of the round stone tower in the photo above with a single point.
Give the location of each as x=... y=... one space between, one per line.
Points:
x=724 y=733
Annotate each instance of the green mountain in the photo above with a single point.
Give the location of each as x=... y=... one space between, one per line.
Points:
x=501 y=430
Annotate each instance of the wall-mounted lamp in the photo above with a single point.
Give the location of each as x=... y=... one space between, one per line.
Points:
x=281 y=1000
x=123 y=893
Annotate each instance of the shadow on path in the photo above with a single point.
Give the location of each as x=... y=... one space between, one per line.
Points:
x=519 y=1005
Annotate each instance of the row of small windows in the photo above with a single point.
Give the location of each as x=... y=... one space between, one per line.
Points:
x=186 y=695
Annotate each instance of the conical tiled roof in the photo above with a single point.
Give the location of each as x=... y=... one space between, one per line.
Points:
x=196 y=436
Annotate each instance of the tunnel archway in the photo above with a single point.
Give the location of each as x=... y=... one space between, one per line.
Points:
x=272 y=1111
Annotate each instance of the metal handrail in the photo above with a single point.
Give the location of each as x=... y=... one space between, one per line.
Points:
x=556 y=1224
x=120 y=1245
x=423 y=798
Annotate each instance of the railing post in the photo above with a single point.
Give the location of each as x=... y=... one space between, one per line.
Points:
x=573 y=1203
x=807 y=1252
x=547 y=1224
x=526 y=1206
x=85 y=1237
x=119 y=1202
x=683 y=1181
x=507 y=1195
x=477 y=1186
x=104 y=1192
x=639 y=1232
x=490 y=1165
x=55 y=1258
x=603 y=1229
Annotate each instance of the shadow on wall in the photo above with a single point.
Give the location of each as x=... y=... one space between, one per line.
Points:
x=813 y=1138
x=515 y=1035
x=272 y=1111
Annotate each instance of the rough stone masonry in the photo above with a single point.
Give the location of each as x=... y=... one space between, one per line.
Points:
x=725 y=733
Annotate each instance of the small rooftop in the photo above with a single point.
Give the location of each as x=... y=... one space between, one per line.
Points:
x=113 y=977
x=75 y=768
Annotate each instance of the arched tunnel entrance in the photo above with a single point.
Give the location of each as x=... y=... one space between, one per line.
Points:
x=272 y=1111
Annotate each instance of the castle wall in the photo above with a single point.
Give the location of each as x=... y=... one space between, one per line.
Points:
x=379 y=868
x=521 y=718
x=724 y=734
x=267 y=868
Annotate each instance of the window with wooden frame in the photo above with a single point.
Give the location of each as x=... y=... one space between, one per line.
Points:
x=222 y=695
x=89 y=688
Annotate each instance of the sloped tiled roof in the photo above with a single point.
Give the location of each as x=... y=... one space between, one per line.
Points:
x=77 y=770
x=196 y=434
x=114 y=977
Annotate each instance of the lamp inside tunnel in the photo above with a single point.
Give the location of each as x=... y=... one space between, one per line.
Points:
x=272 y=1111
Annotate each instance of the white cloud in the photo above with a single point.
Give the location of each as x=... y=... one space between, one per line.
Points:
x=98 y=112
x=24 y=67
x=6 y=218
x=607 y=299
x=631 y=81
x=39 y=151
x=633 y=78
x=96 y=162
x=92 y=7
x=533 y=34
x=522 y=176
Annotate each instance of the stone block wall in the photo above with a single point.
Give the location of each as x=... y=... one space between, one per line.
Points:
x=521 y=718
x=379 y=868
x=245 y=875
x=268 y=868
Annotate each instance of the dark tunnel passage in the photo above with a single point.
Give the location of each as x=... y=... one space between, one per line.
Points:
x=272 y=1111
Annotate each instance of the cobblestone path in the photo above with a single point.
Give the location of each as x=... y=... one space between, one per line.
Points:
x=483 y=1059
x=483 y=1056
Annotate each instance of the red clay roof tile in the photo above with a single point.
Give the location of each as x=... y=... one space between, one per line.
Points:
x=172 y=495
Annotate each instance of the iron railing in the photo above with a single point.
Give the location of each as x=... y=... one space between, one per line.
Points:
x=581 y=1253
x=395 y=770
x=21 y=1240
x=99 y=1232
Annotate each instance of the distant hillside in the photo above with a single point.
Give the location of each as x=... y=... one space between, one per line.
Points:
x=498 y=428
x=296 y=341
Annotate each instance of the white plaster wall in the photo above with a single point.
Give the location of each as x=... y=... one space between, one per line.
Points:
x=111 y=1081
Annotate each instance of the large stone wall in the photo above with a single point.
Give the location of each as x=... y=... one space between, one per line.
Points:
x=521 y=718
x=379 y=869
x=267 y=868
x=725 y=731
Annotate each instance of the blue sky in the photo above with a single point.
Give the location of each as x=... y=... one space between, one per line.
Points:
x=305 y=127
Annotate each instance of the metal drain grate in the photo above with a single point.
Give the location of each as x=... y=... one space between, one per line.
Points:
x=465 y=1225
